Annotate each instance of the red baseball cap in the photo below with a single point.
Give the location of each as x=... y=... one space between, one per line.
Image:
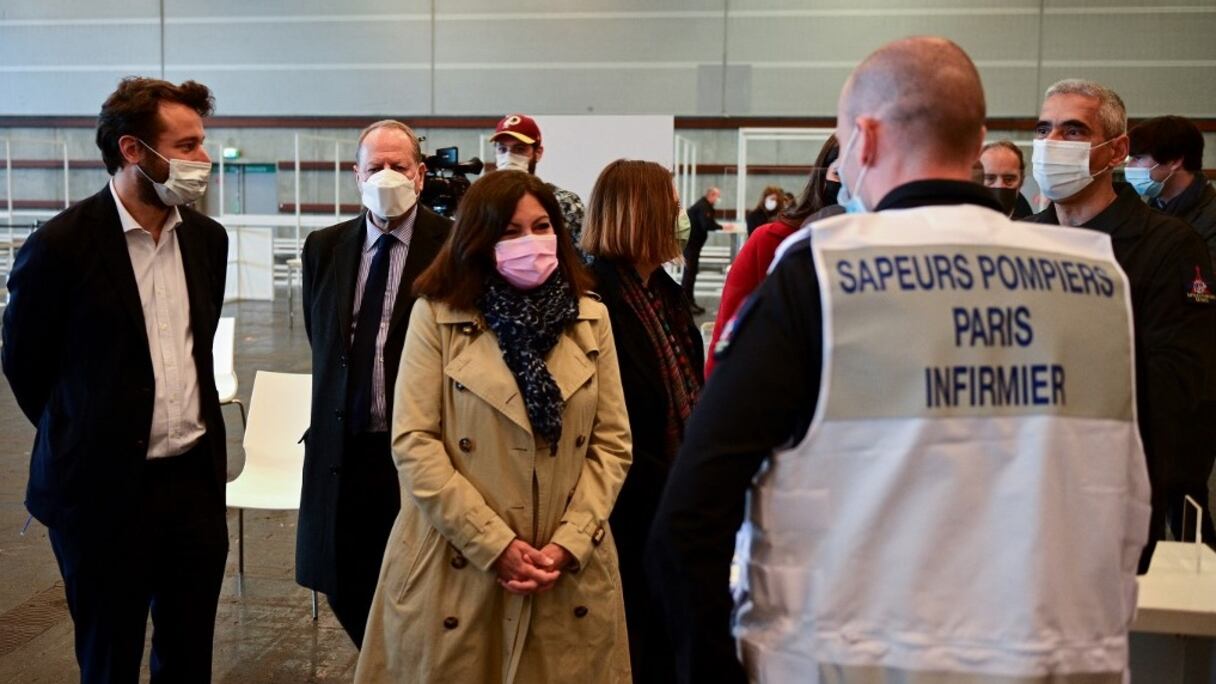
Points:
x=519 y=126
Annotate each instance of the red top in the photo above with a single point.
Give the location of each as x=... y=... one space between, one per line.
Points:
x=746 y=274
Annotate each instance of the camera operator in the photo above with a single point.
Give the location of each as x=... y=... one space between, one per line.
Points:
x=517 y=146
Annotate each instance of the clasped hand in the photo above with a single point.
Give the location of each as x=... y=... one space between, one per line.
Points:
x=523 y=569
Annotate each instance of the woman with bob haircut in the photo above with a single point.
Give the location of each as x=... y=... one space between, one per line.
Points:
x=511 y=443
x=630 y=232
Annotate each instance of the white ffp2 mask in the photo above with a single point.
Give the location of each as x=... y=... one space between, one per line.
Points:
x=388 y=194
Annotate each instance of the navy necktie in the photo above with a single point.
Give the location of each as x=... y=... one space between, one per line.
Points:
x=363 y=348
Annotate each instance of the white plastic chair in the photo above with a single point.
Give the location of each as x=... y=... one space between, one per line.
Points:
x=222 y=351
x=274 y=454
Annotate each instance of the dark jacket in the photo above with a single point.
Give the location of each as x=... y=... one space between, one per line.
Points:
x=76 y=355
x=647 y=403
x=701 y=216
x=1022 y=208
x=1197 y=206
x=759 y=217
x=1174 y=330
x=330 y=269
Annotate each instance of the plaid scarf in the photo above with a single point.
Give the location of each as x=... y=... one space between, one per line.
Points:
x=665 y=319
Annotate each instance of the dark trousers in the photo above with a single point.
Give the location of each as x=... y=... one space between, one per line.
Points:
x=167 y=555
x=368 y=503
x=692 y=264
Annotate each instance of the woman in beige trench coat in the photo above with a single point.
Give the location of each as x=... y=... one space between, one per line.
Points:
x=501 y=566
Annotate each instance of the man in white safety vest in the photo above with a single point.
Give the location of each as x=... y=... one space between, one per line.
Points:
x=929 y=411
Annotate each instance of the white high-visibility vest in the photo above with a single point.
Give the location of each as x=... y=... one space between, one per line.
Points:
x=971 y=499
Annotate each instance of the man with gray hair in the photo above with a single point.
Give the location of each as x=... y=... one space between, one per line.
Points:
x=1080 y=138
x=922 y=434
x=357 y=295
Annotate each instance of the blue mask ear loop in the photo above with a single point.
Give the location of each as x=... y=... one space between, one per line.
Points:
x=850 y=199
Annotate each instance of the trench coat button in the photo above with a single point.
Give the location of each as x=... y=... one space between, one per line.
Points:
x=450 y=623
x=459 y=387
x=338 y=414
x=459 y=561
x=580 y=441
x=342 y=361
x=468 y=328
x=598 y=537
x=466 y=444
x=580 y=612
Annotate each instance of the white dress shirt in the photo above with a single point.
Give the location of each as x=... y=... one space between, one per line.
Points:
x=398 y=251
x=177 y=422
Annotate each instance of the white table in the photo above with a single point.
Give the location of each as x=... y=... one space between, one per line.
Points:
x=1173 y=634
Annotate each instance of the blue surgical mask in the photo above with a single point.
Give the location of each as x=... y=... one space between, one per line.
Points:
x=1141 y=179
x=850 y=199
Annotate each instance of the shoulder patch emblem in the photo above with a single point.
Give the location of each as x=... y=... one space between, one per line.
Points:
x=731 y=328
x=1200 y=292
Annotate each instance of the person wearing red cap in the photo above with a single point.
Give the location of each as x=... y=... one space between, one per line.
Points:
x=517 y=146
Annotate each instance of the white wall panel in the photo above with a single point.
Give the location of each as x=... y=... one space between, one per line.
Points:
x=766 y=57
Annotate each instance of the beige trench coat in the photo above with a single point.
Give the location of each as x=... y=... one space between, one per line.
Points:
x=473 y=478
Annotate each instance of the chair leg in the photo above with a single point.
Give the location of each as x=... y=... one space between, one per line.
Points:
x=241 y=406
x=240 y=558
x=291 y=298
x=314 y=605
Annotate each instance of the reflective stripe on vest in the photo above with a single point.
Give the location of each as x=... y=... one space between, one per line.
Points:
x=972 y=496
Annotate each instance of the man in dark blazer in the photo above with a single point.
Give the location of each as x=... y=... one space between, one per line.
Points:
x=351 y=496
x=701 y=216
x=107 y=346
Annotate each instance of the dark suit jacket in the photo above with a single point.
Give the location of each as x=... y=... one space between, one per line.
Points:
x=701 y=216
x=76 y=355
x=330 y=270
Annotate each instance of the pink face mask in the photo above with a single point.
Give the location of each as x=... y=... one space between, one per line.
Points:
x=527 y=262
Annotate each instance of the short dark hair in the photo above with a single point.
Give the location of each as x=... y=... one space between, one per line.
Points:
x=1167 y=138
x=134 y=109
x=458 y=275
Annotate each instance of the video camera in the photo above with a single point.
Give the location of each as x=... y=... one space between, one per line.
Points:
x=447 y=179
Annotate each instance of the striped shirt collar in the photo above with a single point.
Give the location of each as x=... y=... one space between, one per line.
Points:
x=403 y=232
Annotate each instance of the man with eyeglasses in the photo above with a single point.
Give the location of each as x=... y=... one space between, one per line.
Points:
x=1080 y=139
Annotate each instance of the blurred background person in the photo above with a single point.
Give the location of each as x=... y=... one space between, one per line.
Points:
x=1004 y=170
x=511 y=442
x=701 y=216
x=629 y=235
x=1165 y=166
x=768 y=207
x=748 y=271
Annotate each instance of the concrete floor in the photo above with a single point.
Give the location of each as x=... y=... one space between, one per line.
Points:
x=266 y=636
